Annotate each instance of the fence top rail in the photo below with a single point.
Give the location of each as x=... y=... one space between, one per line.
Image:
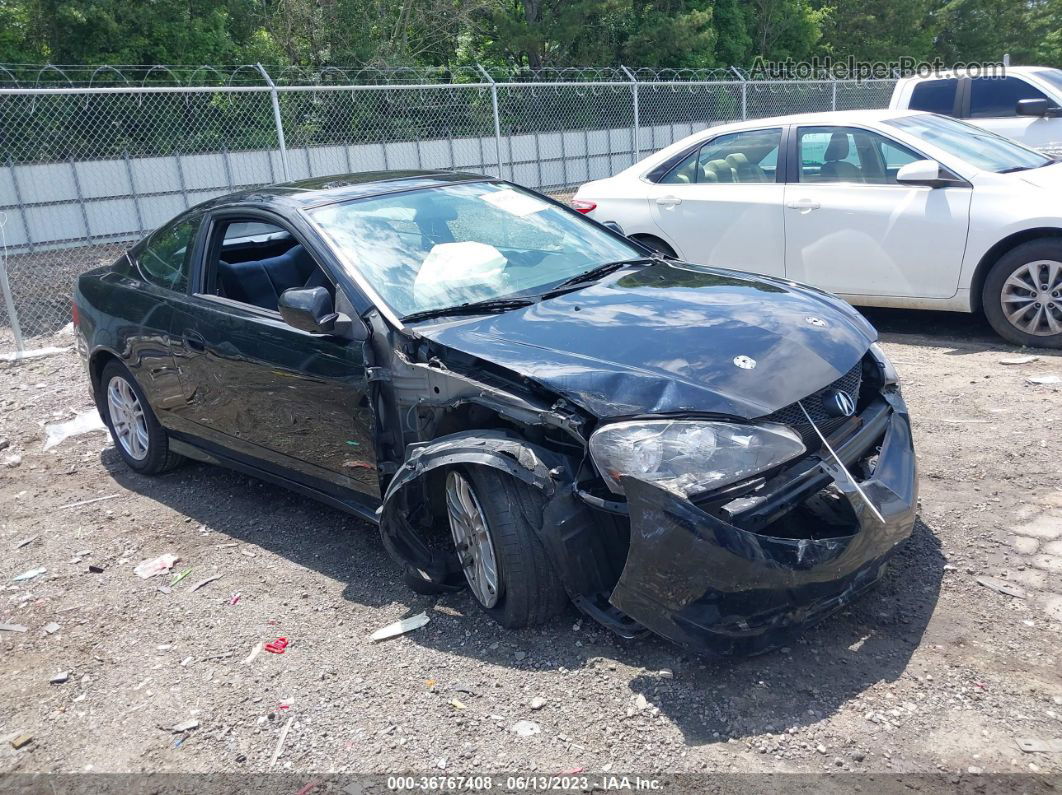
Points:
x=43 y=91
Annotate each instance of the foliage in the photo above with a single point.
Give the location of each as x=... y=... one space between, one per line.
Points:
x=524 y=34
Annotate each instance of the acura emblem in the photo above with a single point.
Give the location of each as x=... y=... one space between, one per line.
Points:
x=745 y=362
x=816 y=321
x=837 y=403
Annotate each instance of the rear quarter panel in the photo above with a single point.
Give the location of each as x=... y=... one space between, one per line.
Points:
x=123 y=317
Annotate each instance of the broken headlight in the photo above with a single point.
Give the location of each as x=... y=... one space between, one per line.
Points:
x=689 y=456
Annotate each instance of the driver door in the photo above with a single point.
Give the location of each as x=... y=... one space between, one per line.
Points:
x=256 y=386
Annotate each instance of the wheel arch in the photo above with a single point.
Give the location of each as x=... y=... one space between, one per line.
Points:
x=993 y=255
x=642 y=237
x=98 y=360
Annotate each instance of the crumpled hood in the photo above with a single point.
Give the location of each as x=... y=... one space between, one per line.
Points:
x=663 y=338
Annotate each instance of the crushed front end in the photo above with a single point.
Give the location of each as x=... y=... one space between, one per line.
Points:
x=742 y=569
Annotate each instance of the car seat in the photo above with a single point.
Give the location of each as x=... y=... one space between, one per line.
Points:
x=743 y=170
x=260 y=282
x=836 y=168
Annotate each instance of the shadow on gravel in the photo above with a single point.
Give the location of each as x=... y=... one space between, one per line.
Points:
x=708 y=700
x=869 y=642
x=964 y=333
x=251 y=511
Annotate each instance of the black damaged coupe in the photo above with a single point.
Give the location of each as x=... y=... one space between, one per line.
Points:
x=524 y=401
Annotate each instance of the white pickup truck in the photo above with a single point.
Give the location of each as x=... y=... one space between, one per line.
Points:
x=1025 y=104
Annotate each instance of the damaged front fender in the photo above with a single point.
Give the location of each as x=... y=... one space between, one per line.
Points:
x=406 y=514
x=714 y=587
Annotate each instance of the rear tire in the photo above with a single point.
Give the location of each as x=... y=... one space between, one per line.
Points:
x=138 y=437
x=528 y=590
x=1022 y=296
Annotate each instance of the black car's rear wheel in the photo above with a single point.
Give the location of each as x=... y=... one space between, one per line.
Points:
x=1022 y=295
x=139 y=438
x=493 y=520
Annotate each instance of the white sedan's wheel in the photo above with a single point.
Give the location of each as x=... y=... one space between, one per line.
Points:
x=1031 y=298
x=1022 y=294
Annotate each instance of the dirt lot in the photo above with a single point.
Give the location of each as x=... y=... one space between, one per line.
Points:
x=930 y=672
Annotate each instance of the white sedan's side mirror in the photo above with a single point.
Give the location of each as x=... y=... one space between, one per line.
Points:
x=923 y=172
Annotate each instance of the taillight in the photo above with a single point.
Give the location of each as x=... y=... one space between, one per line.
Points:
x=75 y=317
x=583 y=206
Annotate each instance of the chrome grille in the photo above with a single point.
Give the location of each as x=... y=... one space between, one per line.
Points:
x=792 y=416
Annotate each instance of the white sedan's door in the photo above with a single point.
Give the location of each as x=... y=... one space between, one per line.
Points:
x=722 y=205
x=851 y=229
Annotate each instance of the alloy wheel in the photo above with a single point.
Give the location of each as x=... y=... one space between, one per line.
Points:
x=475 y=548
x=127 y=418
x=1032 y=298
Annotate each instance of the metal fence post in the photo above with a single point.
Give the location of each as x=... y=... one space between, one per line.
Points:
x=276 y=120
x=744 y=93
x=833 y=102
x=497 y=120
x=636 y=149
x=5 y=288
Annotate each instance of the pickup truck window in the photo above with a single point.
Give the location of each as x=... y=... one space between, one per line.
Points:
x=996 y=97
x=935 y=96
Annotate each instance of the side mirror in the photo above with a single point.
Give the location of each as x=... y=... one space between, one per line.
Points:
x=1033 y=107
x=923 y=172
x=308 y=309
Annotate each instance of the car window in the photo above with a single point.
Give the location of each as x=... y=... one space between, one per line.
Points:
x=994 y=97
x=433 y=248
x=253 y=262
x=850 y=155
x=975 y=145
x=166 y=257
x=935 y=96
x=747 y=156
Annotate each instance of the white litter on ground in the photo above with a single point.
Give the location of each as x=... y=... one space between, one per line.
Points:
x=85 y=422
x=34 y=354
x=401 y=627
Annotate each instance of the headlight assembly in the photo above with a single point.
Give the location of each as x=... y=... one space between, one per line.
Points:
x=689 y=456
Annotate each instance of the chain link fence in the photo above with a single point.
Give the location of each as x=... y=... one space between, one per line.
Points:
x=91 y=160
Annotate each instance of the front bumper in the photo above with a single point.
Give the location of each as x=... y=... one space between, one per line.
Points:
x=716 y=588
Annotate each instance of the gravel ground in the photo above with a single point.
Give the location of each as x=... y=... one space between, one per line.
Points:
x=930 y=672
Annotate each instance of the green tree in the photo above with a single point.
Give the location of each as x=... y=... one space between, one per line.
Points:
x=877 y=31
x=782 y=29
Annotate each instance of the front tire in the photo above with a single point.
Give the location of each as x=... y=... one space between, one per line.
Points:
x=138 y=437
x=494 y=519
x=1022 y=296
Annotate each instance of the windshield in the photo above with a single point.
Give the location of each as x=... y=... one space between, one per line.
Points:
x=1051 y=76
x=978 y=147
x=434 y=248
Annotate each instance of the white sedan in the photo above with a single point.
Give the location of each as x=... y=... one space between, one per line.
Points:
x=883 y=207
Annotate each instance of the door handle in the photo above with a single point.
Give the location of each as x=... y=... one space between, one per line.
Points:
x=803 y=204
x=668 y=201
x=194 y=341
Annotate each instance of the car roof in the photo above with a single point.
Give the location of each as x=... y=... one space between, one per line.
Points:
x=830 y=117
x=947 y=74
x=317 y=191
